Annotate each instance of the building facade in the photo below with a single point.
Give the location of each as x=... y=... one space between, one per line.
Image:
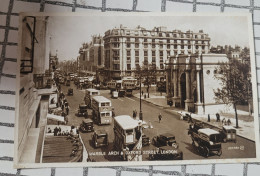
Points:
x=92 y=55
x=126 y=49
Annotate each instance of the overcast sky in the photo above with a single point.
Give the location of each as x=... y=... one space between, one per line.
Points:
x=69 y=32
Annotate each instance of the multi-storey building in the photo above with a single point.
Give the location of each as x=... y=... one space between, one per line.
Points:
x=126 y=49
x=92 y=55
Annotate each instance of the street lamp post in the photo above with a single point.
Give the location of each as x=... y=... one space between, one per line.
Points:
x=141 y=113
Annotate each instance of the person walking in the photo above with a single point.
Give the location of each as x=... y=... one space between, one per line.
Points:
x=67 y=110
x=160 y=117
x=134 y=114
x=208 y=118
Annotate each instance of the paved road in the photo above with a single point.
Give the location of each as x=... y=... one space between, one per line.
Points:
x=170 y=123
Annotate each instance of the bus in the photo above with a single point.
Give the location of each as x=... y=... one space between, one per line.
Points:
x=116 y=85
x=101 y=110
x=129 y=84
x=128 y=137
x=89 y=94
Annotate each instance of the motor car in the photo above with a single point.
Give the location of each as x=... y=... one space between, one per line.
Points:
x=207 y=141
x=166 y=153
x=100 y=138
x=165 y=139
x=70 y=91
x=145 y=140
x=68 y=82
x=228 y=133
x=82 y=110
x=87 y=125
x=114 y=94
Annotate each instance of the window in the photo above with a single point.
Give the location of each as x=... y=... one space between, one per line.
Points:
x=145 y=40
x=153 y=45
x=167 y=35
x=116 y=45
x=175 y=46
x=196 y=36
x=128 y=40
x=161 y=66
x=145 y=45
x=128 y=53
x=161 y=45
x=153 y=53
x=145 y=53
x=136 y=39
x=153 y=59
x=168 y=53
x=189 y=47
x=137 y=45
x=153 y=40
x=182 y=46
x=160 y=34
x=197 y=47
x=136 y=53
x=128 y=45
x=128 y=66
x=203 y=47
x=116 y=66
x=161 y=53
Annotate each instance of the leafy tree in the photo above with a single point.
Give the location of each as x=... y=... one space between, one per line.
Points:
x=236 y=84
x=148 y=73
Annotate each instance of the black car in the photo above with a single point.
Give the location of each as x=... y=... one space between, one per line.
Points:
x=70 y=91
x=145 y=140
x=166 y=139
x=100 y=138
x=83 y=110
x=87 y=125
x=166 y=153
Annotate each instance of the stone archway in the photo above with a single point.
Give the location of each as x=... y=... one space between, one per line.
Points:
x=183 y=89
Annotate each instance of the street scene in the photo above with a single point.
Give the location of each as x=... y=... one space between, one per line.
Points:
x=121 y=92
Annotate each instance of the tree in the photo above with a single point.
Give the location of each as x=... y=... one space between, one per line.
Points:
x=148 y=72
x=236 y=84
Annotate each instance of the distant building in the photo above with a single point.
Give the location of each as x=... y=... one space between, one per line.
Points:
x=92 y=55
x=126 y=49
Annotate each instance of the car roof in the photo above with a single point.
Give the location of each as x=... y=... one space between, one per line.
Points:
x=229 y=128
x=167 y=135
x=208 y=131
x=87 y=120
x=126 y=122
x=100 y=132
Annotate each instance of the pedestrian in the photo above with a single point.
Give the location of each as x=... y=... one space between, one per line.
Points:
x=190 y=118
x=142 y=92
x=208 y=118
x=224 y=122
x=228 y=122
x=160 y=117
x=134 y=114
x=67 y=110
x=218 y=117
x=62 y=106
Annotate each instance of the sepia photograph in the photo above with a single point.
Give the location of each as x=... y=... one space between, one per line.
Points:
x=116 y=89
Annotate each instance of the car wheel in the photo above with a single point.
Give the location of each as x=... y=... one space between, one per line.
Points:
x=219 y=152
x=206 y=150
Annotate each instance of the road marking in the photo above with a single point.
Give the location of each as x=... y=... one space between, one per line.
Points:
x=130 y=99
x=120 y=99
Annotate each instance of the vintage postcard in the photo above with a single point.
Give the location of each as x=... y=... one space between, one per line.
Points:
x=114 y=89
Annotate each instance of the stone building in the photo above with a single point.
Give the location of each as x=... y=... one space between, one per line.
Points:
x=191 y=82
x=92 y=55
x=31 y=102
x=126 y=48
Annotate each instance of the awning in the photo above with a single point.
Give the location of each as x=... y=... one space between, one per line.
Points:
x=55 y=117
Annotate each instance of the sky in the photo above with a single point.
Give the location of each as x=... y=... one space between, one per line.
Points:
x=68 y=33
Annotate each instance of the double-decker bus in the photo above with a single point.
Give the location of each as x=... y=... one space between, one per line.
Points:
x=116 y=85
x=89 y=94
x=129 y=84
x=101 y=110
x=128 y=137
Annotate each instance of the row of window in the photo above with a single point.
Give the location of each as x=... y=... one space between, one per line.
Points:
x=128 y=45
x=128 y=66
x=159 y=34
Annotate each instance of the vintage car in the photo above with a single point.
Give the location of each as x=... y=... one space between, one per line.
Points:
x=100 y=138
x=228 y=133
x=114 y=94
x=67 y=82
x=145 y=140
x=207 y=141
x=70 y=91
x=166 y=153
x=82 y=110
x=87 y=125
x=166 y=139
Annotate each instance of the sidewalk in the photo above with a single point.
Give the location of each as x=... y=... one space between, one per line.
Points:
x=246 y=128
